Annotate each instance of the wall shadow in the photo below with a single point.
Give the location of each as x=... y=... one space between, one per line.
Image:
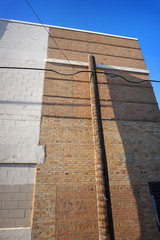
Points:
x=134 y=157
x=3 y=28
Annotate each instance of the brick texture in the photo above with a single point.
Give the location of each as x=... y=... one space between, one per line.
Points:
x=69 y=171
x=66 y=202
x=15 y=207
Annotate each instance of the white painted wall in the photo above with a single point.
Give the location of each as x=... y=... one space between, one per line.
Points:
x=21 y=91
x=21 y=45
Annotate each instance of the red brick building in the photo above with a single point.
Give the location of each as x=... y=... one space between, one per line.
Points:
x=102 y=156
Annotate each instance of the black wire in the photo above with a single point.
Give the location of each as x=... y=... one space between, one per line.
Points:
x=48 y=70
x=72 y=74
x=49 y=33
x=78 y=72
x=111 y=75
x=115 y=75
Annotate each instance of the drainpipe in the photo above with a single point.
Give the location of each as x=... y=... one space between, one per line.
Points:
x=105 y=223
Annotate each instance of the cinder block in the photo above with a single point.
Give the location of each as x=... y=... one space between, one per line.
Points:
x=2 y=188
x=17 y=213
x=23 y=222
x=7 y=223
x=6 y=181
x=18 y=196
x=4 y=214
x=14 y=174
x=20 y=180
x=25 y=204
x=10 y=204
x=27 y=188
x=5 y=196
x=29 y=196
x=3 y=174
x=28 y=212
x=12 y=188
x=31 y=180
x=26 y=174
x=20 y=85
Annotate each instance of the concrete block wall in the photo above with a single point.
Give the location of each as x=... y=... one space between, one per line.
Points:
x=22 y=45
x=21 y=91
x=16 y=195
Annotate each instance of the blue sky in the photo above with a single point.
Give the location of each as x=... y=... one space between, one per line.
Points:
x=132 y=18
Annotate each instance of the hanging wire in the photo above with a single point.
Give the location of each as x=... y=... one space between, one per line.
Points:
x=72 y=74
x=49 y=33
x=79 y=72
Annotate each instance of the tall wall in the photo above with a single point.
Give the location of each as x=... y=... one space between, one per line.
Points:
x=130 y=118
x=22 y=45
x=64 y=200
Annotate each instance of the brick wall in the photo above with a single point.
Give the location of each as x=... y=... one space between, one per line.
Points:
x=66 y=204
x=65 y=195
x=130 y=118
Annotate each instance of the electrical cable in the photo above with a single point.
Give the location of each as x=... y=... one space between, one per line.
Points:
x=49 y=33
x=72 y=74
x=48 y=70
x=115 y=75
x=78 y=72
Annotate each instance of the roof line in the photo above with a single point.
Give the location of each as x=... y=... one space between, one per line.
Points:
x=71 y=29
